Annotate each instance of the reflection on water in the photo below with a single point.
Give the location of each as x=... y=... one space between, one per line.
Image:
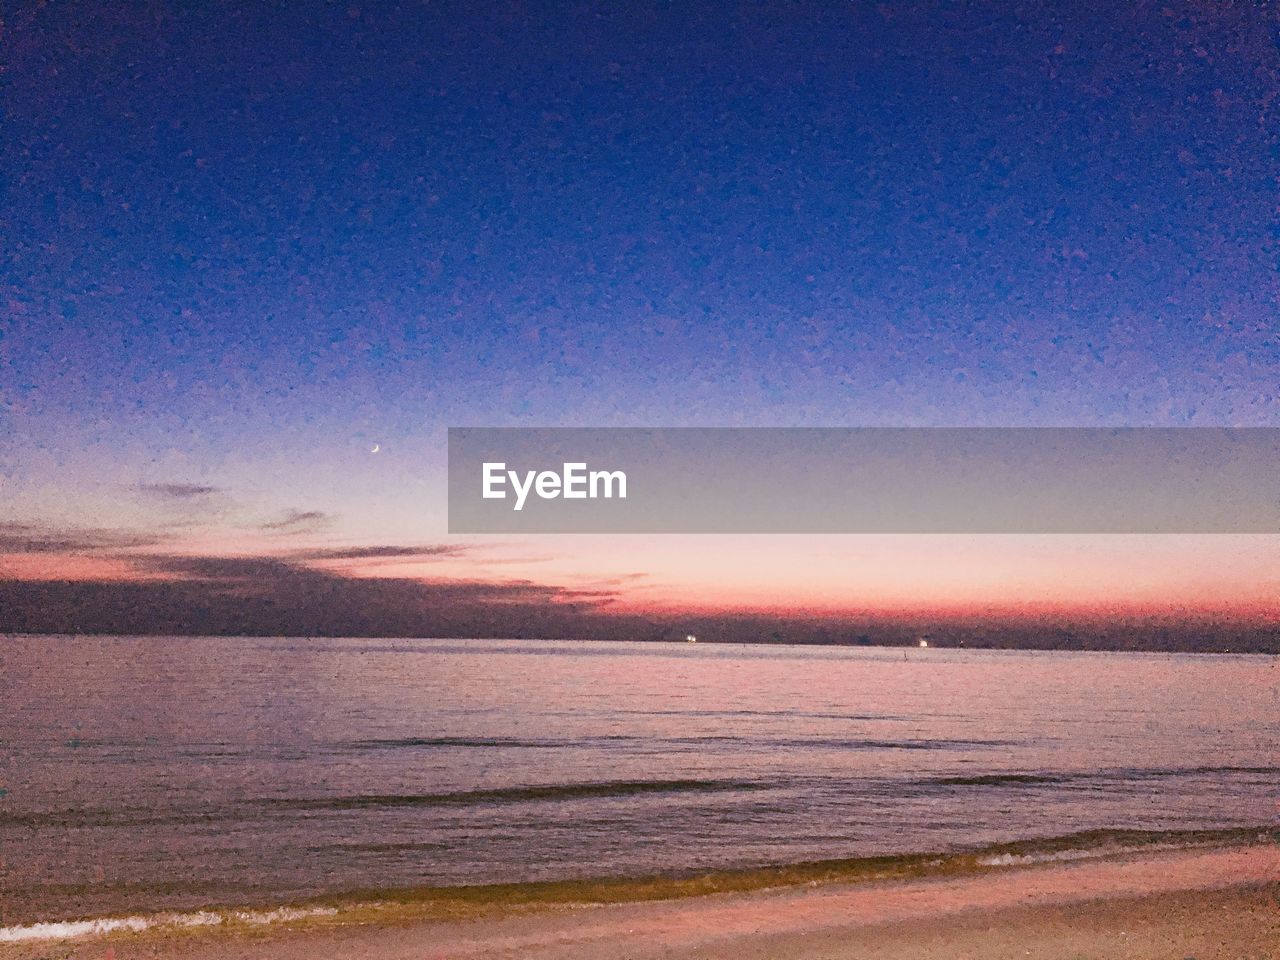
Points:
x=169 y=772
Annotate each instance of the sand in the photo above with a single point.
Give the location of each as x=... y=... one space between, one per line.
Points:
x=1205 y=904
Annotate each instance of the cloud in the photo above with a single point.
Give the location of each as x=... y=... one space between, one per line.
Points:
x=232 y=569
x=271 y=575
x=298 y=521
x=271 y=596
x=514 y=561
x=47 y=538
x=381 y=552
x=622 y=579
x=177 y=491
x=288 y=594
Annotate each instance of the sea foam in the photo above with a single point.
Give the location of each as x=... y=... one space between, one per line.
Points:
x=73 y=929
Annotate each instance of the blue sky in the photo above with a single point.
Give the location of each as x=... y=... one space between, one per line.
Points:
x=243 y=243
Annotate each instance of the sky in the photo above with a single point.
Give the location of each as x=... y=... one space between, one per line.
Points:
x=244 y=244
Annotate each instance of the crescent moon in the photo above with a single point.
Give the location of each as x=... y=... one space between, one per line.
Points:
x=376 y=448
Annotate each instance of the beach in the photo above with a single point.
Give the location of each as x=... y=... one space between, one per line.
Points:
x=403 y=782
x=1203 y=903
x=639 y=481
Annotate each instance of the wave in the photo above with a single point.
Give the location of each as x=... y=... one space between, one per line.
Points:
x=395 y=742
x=1114 y=775
x=850 y=743
x=557 y=791
x=996 y=779
x=247 y=809
x=1093 y=844
x=1139 y=774
x=838 y=743
x=76 y=929
x=271 y=807
x=399 y=904
x=788 y=714
x=126 y=750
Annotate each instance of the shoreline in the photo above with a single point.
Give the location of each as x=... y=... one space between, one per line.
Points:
x=678 y=917
x=462 y=901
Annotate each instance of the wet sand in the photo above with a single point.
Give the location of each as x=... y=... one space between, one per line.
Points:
x=1222 y=903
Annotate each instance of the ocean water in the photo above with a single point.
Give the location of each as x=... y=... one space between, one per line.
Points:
x=166 y=773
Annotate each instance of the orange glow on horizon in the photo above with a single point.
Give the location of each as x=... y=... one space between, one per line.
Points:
x=64 y=566
x=1249 y=609
x=811 y=577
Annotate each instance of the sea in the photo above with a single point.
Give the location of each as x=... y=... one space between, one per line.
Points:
x=148 y=775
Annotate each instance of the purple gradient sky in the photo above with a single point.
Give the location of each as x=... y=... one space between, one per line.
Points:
x=244 y=244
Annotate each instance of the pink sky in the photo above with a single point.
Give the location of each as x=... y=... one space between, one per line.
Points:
x=813 y=575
